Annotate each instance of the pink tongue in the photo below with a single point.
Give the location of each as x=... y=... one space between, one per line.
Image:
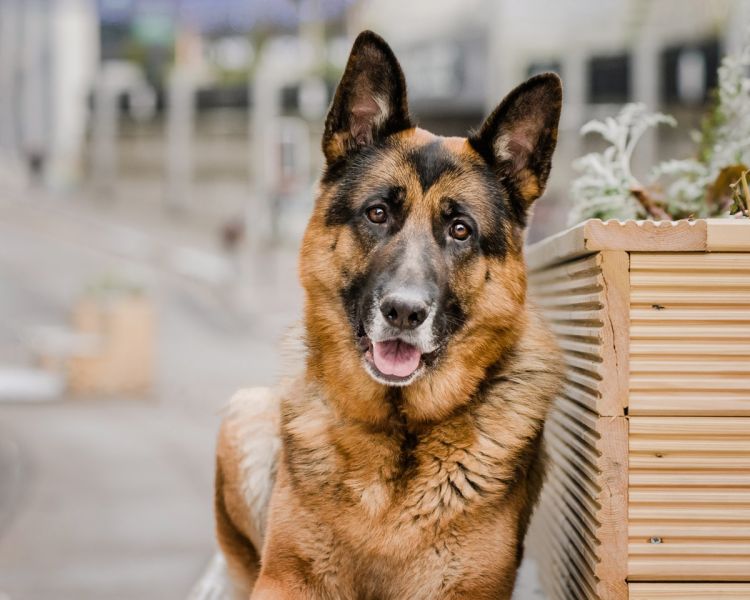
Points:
x=395 y=357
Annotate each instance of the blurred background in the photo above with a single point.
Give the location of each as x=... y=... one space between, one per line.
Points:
x=157 y=167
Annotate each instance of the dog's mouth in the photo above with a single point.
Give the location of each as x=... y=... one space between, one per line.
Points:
x=393 y=361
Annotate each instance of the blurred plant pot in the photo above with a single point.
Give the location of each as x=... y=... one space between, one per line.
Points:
x=122 y=360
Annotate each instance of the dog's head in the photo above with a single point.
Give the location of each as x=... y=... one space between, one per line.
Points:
x=413 y=255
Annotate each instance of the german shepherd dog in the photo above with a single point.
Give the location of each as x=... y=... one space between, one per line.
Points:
x=405 y=458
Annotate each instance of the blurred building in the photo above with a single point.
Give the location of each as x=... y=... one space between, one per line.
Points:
x=462 y=59
x=214 y=108
x=48 y=58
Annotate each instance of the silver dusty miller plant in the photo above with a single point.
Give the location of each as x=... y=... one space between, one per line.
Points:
x=607 y=188
x=702 y=186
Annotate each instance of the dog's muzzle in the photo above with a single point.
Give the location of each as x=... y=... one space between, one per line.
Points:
x=396 y=338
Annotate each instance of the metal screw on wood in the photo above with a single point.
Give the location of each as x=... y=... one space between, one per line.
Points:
x=655 y=540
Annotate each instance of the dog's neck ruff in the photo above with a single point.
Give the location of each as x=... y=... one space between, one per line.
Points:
x=454 y=382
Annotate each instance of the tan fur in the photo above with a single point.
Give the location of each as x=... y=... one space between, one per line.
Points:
x=424 y=493
x=247 y=452
x=458 y=516
x=355 y=506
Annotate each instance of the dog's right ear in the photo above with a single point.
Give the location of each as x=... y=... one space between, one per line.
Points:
x=370 y=101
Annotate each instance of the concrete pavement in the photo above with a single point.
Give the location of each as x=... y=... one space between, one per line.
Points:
x=111 y=497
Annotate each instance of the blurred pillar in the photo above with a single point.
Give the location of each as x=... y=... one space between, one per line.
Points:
x=34 y=106
x=738 y=26
x=574 y=82
x=500 y=54
x=574 y=115
x=10 y=41
x=180 y=137
x=281 y=62
x=312 y=29
x=104 y=155
x=263 y=155
x=646 y=85
x=75 y=42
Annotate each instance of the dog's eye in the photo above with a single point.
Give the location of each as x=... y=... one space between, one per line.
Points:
x=460 y=231
x=377 y=214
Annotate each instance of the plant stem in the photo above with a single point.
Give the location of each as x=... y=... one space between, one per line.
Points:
x=650 y=205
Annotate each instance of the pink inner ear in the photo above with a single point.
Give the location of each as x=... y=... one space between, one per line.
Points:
x=519 y=148
x=364 y=113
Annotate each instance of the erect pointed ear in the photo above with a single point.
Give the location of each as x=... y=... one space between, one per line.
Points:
x=519 y=137
x=370 y=101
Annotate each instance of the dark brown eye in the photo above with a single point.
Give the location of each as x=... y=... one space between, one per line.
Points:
x=460 y=231
x=377 y=214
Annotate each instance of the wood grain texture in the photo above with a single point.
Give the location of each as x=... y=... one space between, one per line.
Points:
x=728 y=235
x=577 y=534
x=690 y=334
x=700 y=235
x=566 y=245
x=655 y=332
x=639 y=236
x=615 y=344
x=689 y=591
x=690 y=491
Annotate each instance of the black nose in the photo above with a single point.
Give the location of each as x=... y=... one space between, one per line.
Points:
x=402 y=312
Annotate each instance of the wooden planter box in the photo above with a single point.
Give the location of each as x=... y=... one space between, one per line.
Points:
x=648 y=494
x=122 y=362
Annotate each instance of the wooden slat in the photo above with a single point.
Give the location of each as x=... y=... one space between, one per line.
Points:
x=670 y=343
x=728 y=235
x=577 y=535
x=701 y=235
x=690 y=402
x=682 y=568
x=699 y=315
x=730 y=532
x=629 y=236
x=613 y=498
x=565 y=246
x=615 y=338
x=689 y=591
x=644 y=236
x=689 y=262
x=687 y=495
x=690 y=334
x=695 y=477
x=689 y=490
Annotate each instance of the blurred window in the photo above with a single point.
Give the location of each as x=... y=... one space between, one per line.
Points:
x=289 y=99
x=689 y=72
x=226 y=96
x=544 y=66
x=609 y=79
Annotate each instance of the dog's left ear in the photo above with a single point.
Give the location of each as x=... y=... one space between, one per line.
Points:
x=370 y=101
x=519 y=137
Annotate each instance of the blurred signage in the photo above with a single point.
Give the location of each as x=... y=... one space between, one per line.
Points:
x=115 y=10
x=153 y=29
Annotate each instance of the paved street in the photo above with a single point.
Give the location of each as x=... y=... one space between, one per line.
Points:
x=110 y=498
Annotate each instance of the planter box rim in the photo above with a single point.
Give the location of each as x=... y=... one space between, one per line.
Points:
x=699 y=235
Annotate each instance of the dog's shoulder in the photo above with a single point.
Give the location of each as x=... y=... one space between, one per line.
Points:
x=247 y=452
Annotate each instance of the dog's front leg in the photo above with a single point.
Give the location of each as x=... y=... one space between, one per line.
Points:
x=486 y=588
x=268 y=588
x=280 y=580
